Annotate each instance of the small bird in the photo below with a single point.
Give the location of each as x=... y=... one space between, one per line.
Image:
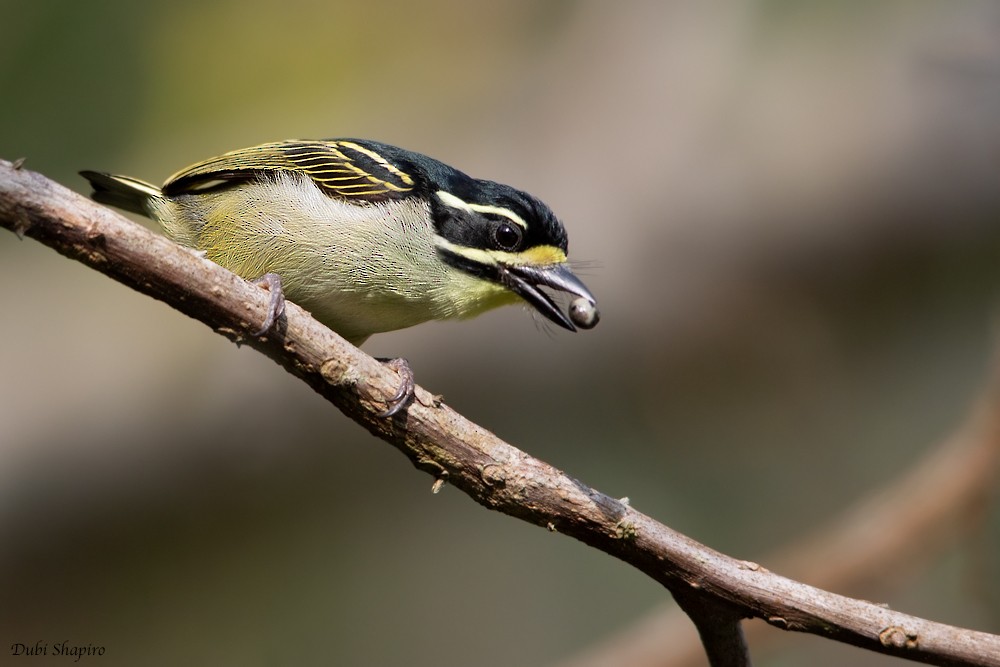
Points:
x=366 y=236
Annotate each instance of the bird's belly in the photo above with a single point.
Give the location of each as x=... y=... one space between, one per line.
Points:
x=358 y=315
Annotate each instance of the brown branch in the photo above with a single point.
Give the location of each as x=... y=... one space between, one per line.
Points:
x=854 y=550
x=443 y=443
x=719 y=627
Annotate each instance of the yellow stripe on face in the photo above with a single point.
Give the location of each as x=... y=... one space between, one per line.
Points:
x=461 y=204
x=543 y=255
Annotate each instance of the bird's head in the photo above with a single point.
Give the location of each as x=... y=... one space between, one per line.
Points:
x=508 y=237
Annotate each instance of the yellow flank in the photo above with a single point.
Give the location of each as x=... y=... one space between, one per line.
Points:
x=543 y=255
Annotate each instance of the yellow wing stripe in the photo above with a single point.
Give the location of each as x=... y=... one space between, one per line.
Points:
x=391 y=168
x=328 y=163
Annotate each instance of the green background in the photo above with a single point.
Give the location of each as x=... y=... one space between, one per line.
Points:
x=788 y=213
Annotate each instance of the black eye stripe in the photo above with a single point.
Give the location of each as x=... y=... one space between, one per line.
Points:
x=498 y=218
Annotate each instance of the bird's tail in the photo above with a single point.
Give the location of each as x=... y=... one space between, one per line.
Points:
x=124 y=192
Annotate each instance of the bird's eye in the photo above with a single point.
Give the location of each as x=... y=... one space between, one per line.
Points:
x=507 y=236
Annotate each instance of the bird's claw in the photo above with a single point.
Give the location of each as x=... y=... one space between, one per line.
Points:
x=276 y=307
x=407 y=385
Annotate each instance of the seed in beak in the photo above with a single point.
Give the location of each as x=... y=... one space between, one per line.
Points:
x=584 y=313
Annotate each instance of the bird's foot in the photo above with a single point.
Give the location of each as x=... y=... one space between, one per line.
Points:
x=407 y=385
x=276 y=308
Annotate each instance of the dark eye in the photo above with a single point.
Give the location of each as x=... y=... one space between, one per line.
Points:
x=507 y=236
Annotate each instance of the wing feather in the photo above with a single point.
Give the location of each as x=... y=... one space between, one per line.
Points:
x=342 y=168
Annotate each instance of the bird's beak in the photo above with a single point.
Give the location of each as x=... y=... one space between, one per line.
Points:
x=525 y=280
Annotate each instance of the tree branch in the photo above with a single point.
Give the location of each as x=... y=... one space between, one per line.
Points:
x=440 y=441
x=719 y=627
x=854 y=550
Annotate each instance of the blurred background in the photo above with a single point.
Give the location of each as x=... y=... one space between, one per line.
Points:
x=787 y=210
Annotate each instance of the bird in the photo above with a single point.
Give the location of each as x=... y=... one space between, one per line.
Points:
x=367 y=236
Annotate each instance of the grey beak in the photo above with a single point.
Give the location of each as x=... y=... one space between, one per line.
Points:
x=526 y=280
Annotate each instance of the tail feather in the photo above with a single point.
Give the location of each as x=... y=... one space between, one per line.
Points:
x=124 y=192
